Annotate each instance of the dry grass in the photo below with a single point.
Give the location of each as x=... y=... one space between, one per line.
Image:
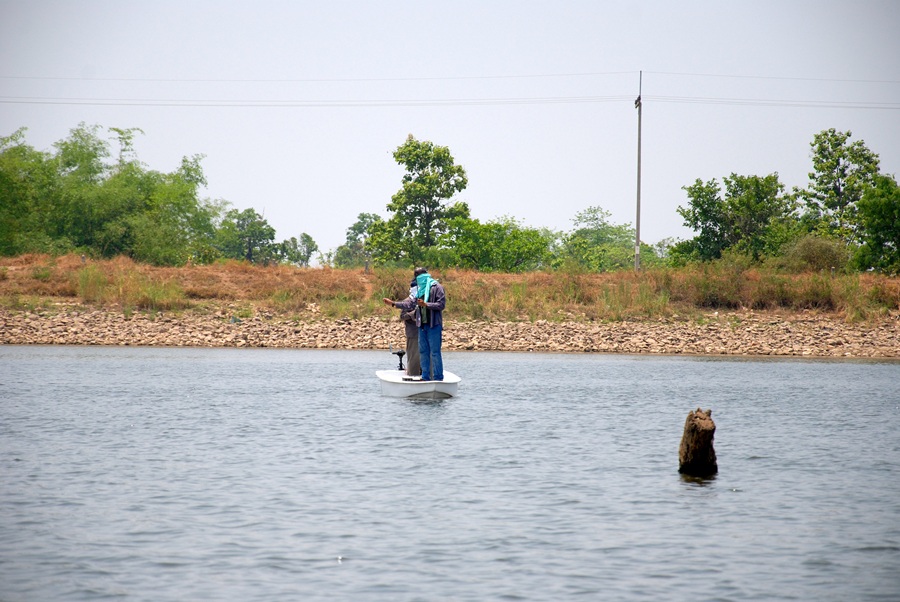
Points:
x=29 y=280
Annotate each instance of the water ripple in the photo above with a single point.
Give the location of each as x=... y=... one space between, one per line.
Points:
x=174 y=474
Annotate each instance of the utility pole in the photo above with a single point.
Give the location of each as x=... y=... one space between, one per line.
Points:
x=637 y=221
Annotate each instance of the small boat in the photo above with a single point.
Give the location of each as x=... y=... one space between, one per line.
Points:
x=396 y=383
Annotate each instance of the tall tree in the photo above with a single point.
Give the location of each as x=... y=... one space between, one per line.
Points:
x=246 y=235
x=176 y=225
x=841 y=172
x=355 y=251
x=598 y=245
x=28 y=195
x=83 y=211
x=879 y=221
x=753 y=216
x=298 y=252
x=421 y=214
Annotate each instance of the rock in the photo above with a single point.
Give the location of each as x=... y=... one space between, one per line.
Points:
x=755 y=334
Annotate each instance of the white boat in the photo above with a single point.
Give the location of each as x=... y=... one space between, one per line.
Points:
x=396 y=383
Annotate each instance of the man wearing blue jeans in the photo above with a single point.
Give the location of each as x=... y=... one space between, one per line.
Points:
x=429 y=306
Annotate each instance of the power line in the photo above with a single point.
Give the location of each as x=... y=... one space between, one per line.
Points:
x=339 y=103
x=311 y=80
x=784 y=78
x=822 y=104
x=434 y=78
x=309 y=103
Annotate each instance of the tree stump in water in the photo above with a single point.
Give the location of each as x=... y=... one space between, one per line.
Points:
x=696 y=457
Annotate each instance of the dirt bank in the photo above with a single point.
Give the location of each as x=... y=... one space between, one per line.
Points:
x=740 y=333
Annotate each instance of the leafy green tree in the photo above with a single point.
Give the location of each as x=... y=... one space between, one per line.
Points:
x=306 y=248
x=82 y=212
x=841 y=173
x=28 y=193
x=175 y=225
x=298 y=252
x=83 y=154
x=879 y=221
x=246 y=235
x=77 y=198
x=598 y=245
x=420 y=211
x=501 y=245
x=753 y=217
x=355 y=251
x=706 y=214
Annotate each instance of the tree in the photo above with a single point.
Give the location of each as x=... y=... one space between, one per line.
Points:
x=841 y=173
x=355 y=251
x=501 y=245
x=879 y=221
x=598 y=245
x=753 y=216
x=81 y=213
x=28 y=193
x=421 y=214
x=82 y=155
x=298 y=252
x=246 y=235
x=176 y=225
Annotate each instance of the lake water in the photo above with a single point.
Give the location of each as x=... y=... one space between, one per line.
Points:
x=195 y=474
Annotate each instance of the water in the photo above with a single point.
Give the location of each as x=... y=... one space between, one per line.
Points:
x=189 y=474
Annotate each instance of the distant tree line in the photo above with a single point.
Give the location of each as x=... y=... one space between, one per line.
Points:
x=847 y=218
x=81 y=199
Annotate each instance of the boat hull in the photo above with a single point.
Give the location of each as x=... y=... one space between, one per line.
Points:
x=394 y=385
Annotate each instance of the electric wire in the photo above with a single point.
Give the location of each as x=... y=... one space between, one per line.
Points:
x=437 y=78
x=435 y=102
x=446 y=102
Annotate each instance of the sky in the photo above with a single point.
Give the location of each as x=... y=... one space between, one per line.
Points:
x=298 y=106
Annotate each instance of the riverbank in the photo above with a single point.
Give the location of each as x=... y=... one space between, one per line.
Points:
x=739 y=333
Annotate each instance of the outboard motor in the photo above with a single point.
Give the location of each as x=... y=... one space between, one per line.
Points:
x=399 y=353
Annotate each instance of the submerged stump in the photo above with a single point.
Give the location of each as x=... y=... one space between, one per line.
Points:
x=696 y=456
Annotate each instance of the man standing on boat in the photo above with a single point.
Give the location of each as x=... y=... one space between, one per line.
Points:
x=411 y=328
x=429 y=305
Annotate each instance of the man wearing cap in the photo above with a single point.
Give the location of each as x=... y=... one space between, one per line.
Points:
x=429 y=305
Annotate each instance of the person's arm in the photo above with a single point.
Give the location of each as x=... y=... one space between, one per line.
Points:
x=407 y=304
x=438 y=302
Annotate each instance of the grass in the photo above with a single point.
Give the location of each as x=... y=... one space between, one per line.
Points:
x=121 y=282
x=553 y=296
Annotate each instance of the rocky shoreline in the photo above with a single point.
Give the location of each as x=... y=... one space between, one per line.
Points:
x=738 y=333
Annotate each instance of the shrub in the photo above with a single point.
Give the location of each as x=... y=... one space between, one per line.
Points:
x=813 y=253
x=815 y=292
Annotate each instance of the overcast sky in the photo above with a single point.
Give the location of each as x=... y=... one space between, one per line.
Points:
x=298 y=106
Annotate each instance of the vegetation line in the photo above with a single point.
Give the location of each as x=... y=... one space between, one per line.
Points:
x=83 y=200
x=120 y=284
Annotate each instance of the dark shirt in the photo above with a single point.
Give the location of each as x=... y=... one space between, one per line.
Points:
x=437 y=300
x=408 y=317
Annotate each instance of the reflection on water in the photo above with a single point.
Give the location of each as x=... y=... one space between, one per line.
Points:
x=175 y=474
x=698 y=481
